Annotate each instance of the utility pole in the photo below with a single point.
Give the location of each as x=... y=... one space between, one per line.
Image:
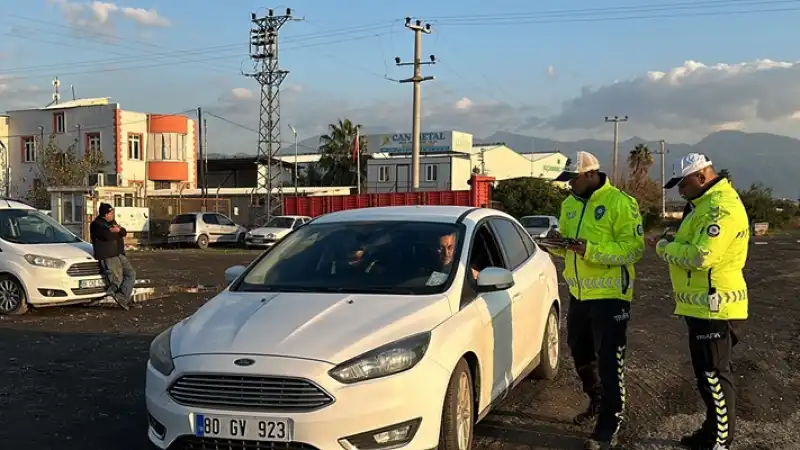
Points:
x=269 y=75
x=205 y=163
x=615 y=120
x=201 y=145
x=418 y=28
x=663 y=151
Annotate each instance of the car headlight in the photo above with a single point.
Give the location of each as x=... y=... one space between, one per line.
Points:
x=272 y=236
x=161 y=352
x=249 y=234
x=44 y=261
x=389 y=359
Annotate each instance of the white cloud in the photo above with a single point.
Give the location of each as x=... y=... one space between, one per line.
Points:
x=682 y=104
x=241 y=93
x=100 y=18
x=694 y=98
x=551 y=72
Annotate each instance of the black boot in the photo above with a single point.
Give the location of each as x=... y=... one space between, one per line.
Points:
x=699 y=440
x=590 y=415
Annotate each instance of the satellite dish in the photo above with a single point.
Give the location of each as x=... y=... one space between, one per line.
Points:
x=56 y=83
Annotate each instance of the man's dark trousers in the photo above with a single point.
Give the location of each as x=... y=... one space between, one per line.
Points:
x=121 y=278
x=597 y=332
x=711 y=345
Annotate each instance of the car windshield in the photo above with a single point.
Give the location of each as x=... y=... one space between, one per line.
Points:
x=29 y=226
x=280 y=222
x=385 y=257
x=535 y=222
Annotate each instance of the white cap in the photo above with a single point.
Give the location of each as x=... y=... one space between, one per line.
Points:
x=586 y=163
x=691 y=163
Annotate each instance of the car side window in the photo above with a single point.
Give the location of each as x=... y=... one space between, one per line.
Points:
x=210 y=219
x=530 y=247
x=511 y=242
x=484 y=252
x=297 y=223
x=222 y=220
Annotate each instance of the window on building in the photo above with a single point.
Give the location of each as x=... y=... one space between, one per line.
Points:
x=135 y=147
x=383 y=173
x=59 y=122
x=431 y=172
x=93 y=143
x=166 y=147
x=28 y=149
x=71 y=207
x=162 y=185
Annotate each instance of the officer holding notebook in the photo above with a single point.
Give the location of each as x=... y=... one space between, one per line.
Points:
x=602 y=240
x=706 y=257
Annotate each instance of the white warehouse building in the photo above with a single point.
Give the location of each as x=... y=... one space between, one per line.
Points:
x=447 y=160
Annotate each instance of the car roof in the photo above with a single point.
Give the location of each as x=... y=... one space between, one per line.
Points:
x=8 y=203
x=420 y=213
x=539 y=215
x=293 y=217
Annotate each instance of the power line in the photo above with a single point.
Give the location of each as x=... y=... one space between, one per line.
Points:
x=569 y=13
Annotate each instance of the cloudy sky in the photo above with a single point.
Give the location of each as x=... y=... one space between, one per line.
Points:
x=678 y=69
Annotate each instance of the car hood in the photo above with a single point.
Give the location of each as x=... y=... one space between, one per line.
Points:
x=72 y=250
x=263 y=231
x=323 y=327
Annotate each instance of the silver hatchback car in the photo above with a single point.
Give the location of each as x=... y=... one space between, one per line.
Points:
x=204 y=228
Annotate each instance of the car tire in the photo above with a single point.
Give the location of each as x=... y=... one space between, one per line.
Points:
x=202 y=242
x=13 y=301
x=550 y=353
x=240 y=241
x=458 y=413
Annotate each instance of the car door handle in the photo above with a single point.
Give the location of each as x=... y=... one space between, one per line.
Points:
x=516 y=296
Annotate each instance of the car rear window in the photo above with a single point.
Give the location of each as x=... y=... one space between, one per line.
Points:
x=535 y=222
x=184 y=218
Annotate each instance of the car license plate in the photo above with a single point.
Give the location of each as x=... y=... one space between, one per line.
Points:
x=258 y=239
x=243 y=427
x=93 y=283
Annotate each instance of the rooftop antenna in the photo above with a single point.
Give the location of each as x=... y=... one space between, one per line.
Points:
x=72 y=86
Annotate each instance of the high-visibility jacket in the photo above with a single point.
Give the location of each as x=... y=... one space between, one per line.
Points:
x=708 y=254
x=610 y=222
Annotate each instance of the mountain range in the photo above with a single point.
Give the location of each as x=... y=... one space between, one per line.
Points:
x=749 y=157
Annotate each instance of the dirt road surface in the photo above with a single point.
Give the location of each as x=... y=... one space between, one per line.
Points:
x=72 y=378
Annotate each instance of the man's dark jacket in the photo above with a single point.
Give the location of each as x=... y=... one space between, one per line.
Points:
x=106 y=243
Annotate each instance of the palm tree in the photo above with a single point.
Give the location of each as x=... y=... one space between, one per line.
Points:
x=639 y=161
x=336 y=147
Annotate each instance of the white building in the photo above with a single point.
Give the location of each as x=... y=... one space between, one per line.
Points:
x=447 y=161
x=146 y=151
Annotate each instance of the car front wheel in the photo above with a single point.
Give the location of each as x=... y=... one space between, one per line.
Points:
x=550 y=353
x=458 y=416
x=12 y=296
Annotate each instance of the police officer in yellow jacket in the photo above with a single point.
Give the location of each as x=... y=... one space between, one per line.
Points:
x=599 y=270
x=706 y=257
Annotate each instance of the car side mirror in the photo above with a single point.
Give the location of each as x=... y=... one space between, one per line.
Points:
x=494 y=279
x=232 y=273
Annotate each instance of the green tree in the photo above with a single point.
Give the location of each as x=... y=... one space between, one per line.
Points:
x=638 y=184
x=762 y=207
x=528 y=196
x=568 y=164
x=336 y=163
x=57 y=167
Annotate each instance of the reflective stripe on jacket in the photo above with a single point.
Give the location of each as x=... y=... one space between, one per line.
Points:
x=610 y=223
x=708 y=254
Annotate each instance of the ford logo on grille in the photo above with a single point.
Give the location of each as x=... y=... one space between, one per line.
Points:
x=244 y=362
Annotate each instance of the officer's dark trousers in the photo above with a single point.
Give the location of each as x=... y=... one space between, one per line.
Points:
x=597 y=336
x=711 y=343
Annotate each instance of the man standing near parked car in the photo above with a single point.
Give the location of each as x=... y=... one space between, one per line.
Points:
x=605 y=226
x=109 y=249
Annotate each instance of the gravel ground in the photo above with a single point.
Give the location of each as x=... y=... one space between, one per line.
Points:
x=73 y=376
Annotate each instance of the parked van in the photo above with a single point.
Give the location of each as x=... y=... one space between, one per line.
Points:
x=42 y=263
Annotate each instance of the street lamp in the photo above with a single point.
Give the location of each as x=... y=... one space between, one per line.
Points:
x=295 y=159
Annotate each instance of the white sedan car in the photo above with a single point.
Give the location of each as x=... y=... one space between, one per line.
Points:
x=275 y=230
x=365 y=329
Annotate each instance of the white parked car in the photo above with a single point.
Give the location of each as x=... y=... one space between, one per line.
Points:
x=204 y=228
x=539 y=226
x=365 y=328
x=274 y=230
x=42 y=263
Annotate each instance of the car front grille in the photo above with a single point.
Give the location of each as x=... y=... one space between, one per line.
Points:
x=89 y=291
x=249 y=392
x=198 y=443
x=84 y=269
